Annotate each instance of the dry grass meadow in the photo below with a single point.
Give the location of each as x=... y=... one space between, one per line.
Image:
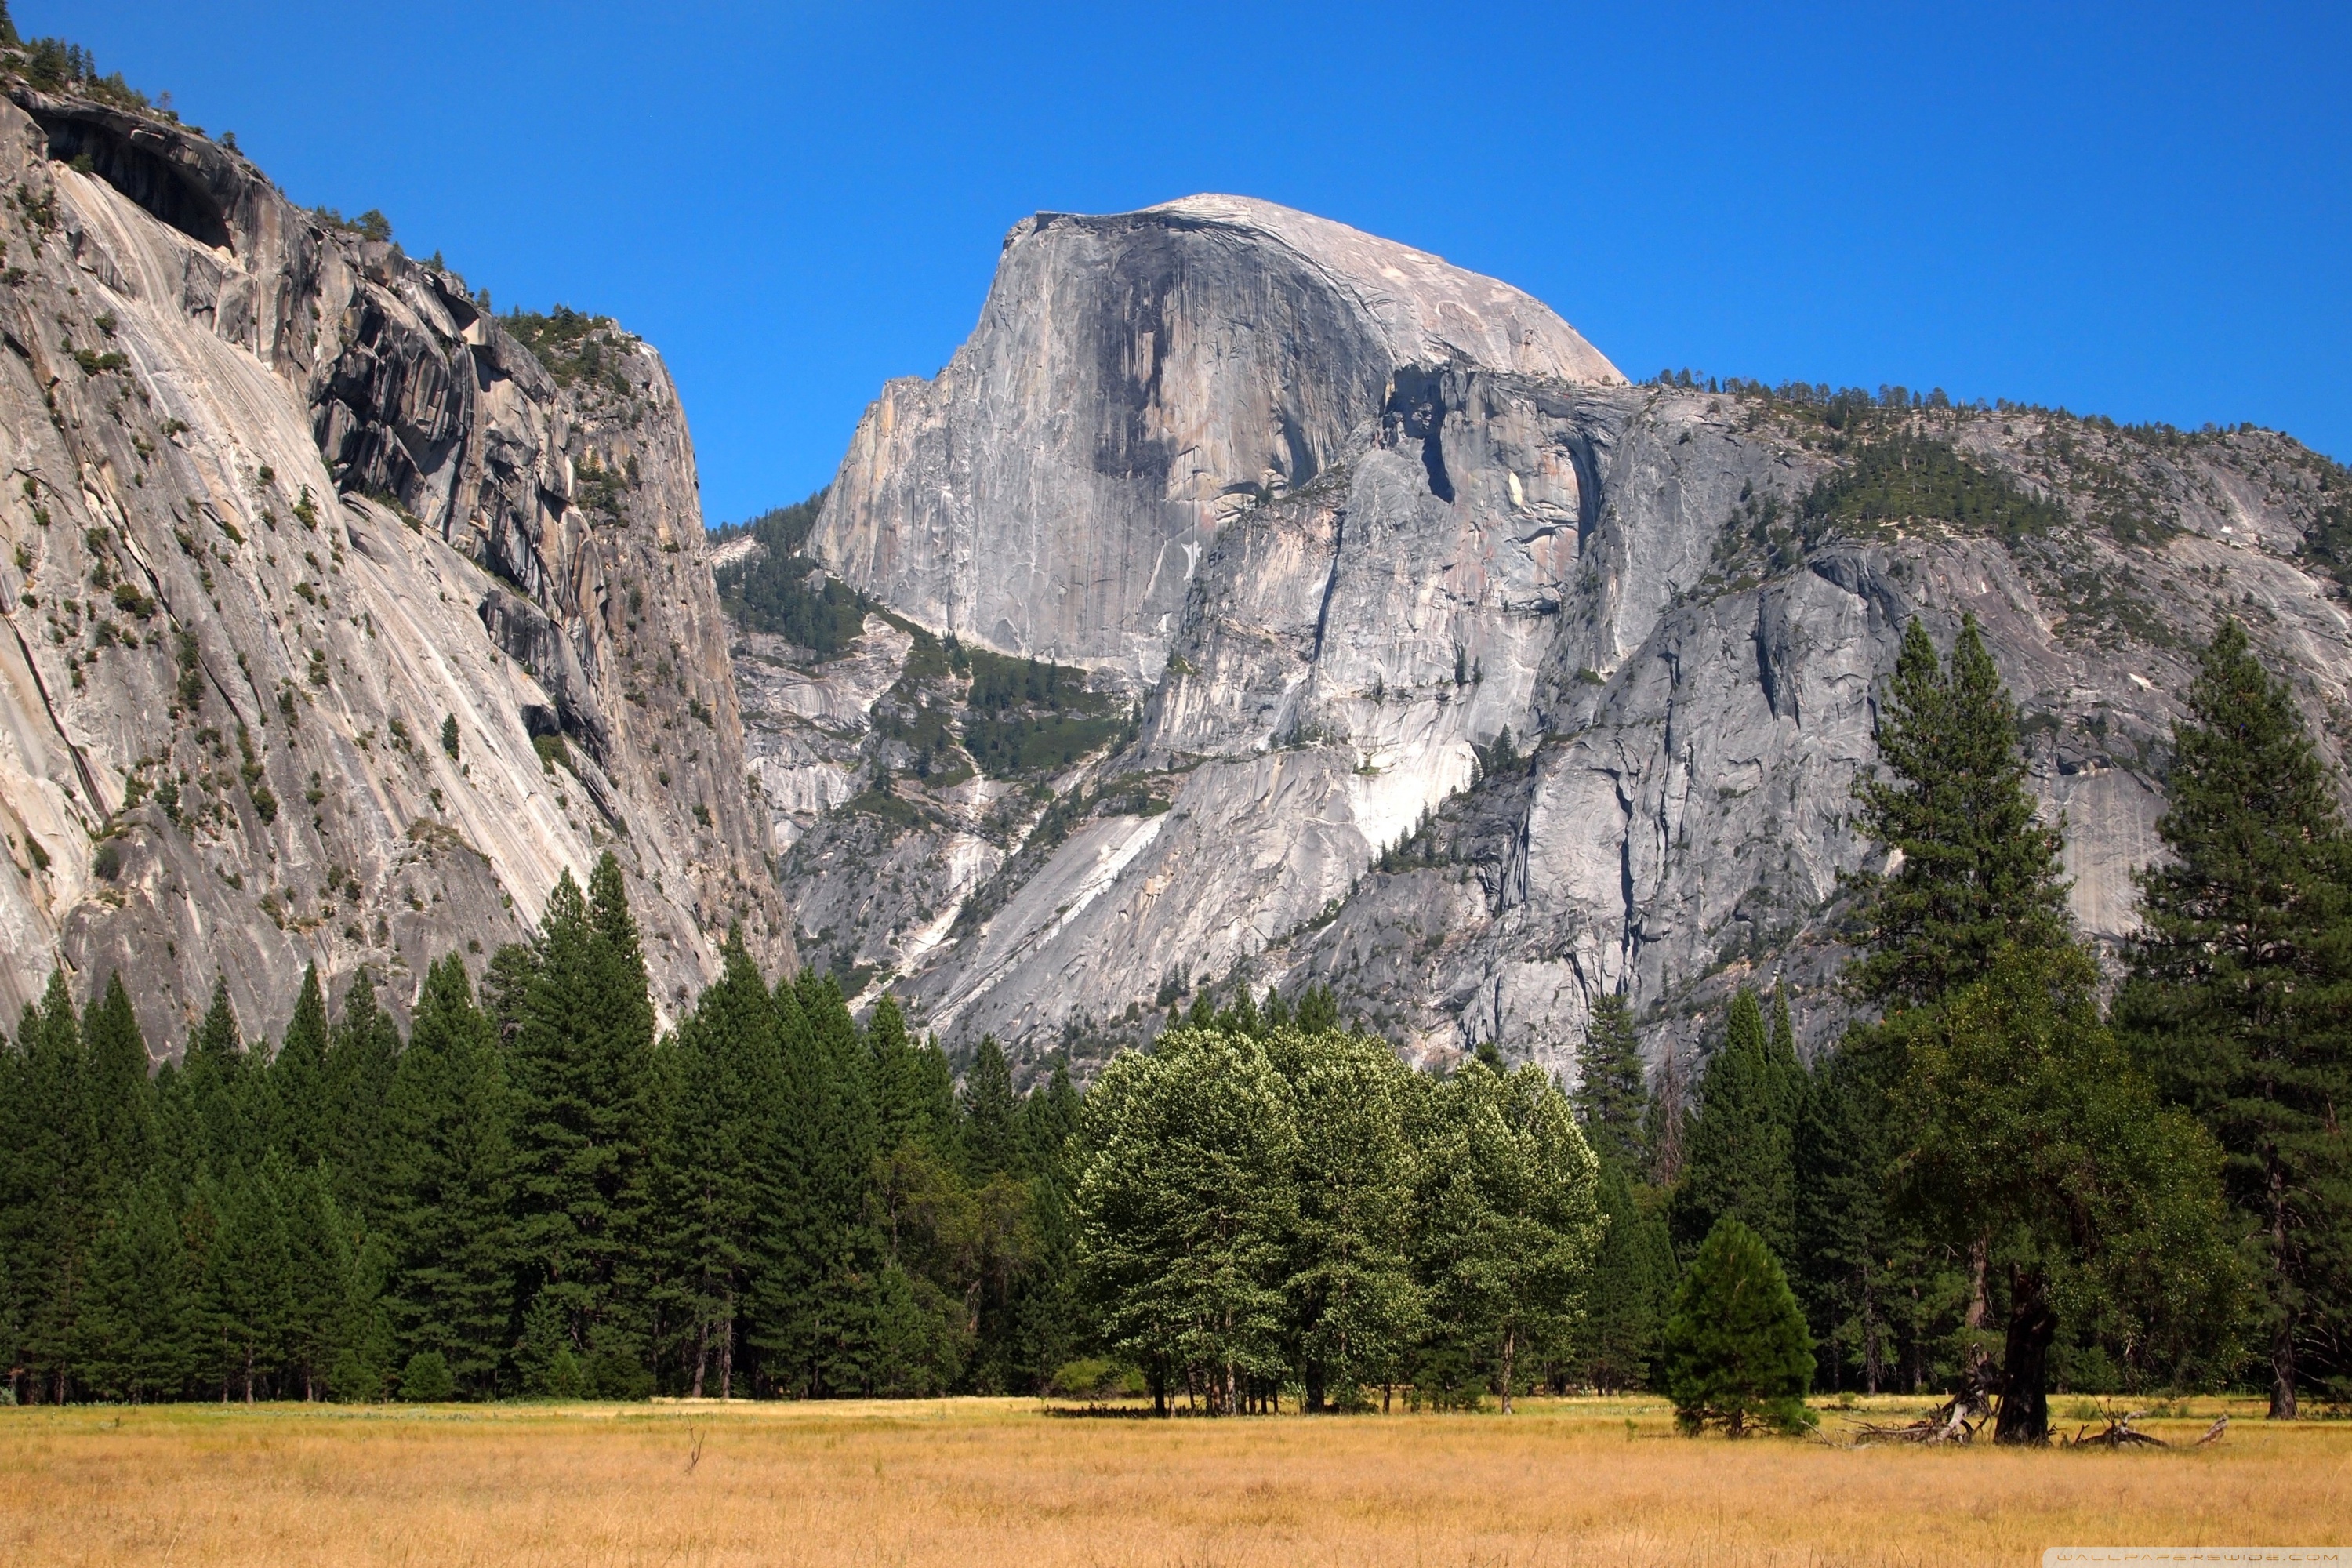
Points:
x=978 y=1483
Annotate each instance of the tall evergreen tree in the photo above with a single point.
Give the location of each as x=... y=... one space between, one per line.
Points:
x=723 y=1158
x=1843 y=1241
x=990 y=1138
x=2030 y=1137
x=1612 y=1096
x=1632 y=1283
x=139 y=1336
x=2241 y=993
x=57 y=1167
x=448 y=1171
x=360 y=1069
x=1741 y=1154
x=1977 y=870
x=301 y=1128
x=581 y=1066
x=117 y=1098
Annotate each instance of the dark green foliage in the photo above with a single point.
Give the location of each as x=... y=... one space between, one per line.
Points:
x=426 y=1379
x=2240 y=994
x=1899 y=478
x=573 y=345
x=1979 y=872
x=1613 y=1093
x=1632 y=1285
x=1845 y=1241
x=1740 y=1156
x=2028 y=1139
x=580 y=1067
x=448 y=1186
x=769 y=591
x=1022 y=716
x=991 y=1133
x=1735 y=1352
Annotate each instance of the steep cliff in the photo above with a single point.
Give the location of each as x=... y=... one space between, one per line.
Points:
x=1135 y=382
x=339 y=621
x=1521 y=685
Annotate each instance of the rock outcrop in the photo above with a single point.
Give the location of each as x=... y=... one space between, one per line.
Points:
x=1134 y=384
x=1479 y=682
x=285 y=510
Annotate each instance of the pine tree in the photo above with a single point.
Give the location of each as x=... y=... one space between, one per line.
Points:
x=1612 y=1095
x=1735 y=1352
x=300 y=1114
x=1742 y=1140
x=2241 y=993
x=1978 y=872
x=991 y=1142
x=581 y=1064
x=1050 y=1322
x=360 y=1069
x=117 y=1098
x=51 y=1263
x=139 y=1339
x=720 y=1164
x=815 y=1235
x=219 y=1082
x=2028 y=1137
x=1632 y=1284
x=448 y=1170
x=1843 y=1242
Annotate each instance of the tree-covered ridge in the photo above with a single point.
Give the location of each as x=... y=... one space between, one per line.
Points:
x=573 y=345
x=769 y=589
x=1903 y=478
x=955 y=709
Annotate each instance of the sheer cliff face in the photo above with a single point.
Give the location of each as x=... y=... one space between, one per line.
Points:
x=1136 y=382
x=281 y=504
x=1527 y=688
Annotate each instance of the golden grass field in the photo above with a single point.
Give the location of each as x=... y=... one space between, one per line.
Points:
x=977 y=1483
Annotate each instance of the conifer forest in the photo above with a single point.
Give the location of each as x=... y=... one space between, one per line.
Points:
x=2023 y=1176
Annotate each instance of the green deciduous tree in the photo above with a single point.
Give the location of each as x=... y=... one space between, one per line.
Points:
x=1185 y=1201
x=1506 y=1222
x=1354 y=1307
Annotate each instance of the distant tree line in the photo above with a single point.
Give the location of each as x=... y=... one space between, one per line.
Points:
x=534 y=1193
x=1995 y=1189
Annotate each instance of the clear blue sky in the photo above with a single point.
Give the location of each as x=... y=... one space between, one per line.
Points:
x=2139 y=210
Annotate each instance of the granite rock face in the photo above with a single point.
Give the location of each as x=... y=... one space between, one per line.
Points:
x=1498 y=685
x=280 y=501
x=1134 y=384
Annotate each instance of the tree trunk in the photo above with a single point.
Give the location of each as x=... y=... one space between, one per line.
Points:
x=1510 y=1343
x=727 y=1351
x=702 y=1355
x=249 y=1374
x=2282 y=1407
x=2025 y=1362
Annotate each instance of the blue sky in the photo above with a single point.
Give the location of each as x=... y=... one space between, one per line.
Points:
x=2141 y=210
